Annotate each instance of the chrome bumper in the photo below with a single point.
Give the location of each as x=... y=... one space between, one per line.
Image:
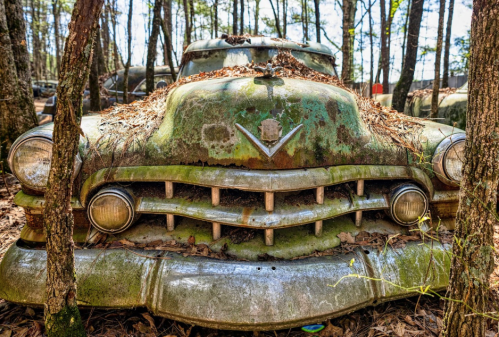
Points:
x=232 y=294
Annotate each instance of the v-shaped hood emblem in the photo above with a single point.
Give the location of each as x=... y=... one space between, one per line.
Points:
x=269 y=151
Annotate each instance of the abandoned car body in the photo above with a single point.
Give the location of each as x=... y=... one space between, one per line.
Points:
x=452 y=105
x=289 y=162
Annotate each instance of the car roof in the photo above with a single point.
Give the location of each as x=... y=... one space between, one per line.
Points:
x=141 y=71
x=259 y=42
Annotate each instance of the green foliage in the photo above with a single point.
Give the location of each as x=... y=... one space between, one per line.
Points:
x=461 y=64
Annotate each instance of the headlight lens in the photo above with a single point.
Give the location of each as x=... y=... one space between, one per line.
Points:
x=111 y=210
x=30 y=162
x=449 y=159
x=453 y=161
x=407 y=204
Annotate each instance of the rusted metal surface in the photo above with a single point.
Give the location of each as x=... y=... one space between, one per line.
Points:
x=251 y=180
x=231 y=294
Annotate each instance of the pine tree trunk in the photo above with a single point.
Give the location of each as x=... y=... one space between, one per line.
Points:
x=276 y=18
x=241 y=14
x=371 y=72
x=317 y=21
x=56 y=15
x=349 y=9
x=234 y=17
x=169 y=50
x=215 y=19
x=62 y=317
x=445 y=78
x=129 y=52
x=284 y=18
x=438 y=57
x=473 y=258
x=17 y=111
x=105 y=35
x=93 y=81
x=407 y=15
x=257 y=16
x=151 y=47
x=407 y=75
x=187 y=38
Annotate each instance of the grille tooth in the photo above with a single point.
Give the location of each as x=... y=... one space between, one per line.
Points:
x=170 y=219
x=360 y=192
x=269 y=237
x=269 y=201
x=319 y=198
x=217 y=230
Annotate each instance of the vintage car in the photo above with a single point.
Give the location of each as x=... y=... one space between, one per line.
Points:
x=451 y=107
x=114 y=88
x=44 y=88
x=227 y=212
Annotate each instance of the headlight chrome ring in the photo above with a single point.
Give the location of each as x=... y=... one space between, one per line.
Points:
x=111 y=210
x=408 y=203
x=443 y=161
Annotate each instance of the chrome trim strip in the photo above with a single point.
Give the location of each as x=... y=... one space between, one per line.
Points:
x=439 y=157
x=255 y=180
x=284 y=215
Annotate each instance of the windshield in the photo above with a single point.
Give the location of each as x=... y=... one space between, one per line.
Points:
x=204 y=61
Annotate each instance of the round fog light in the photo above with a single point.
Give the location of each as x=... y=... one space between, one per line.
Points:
x=407 y=204
x=111 y=210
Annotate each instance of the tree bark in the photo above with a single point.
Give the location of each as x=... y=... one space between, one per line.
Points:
x=234 y=17
x=17 y=111
x=151 y=47
x=62 y=317
x=407 y=15
x=284 y=18
x=473 y=257
x=276 y=18
x=349 y=9
x=215 y=19
x=371 y=72
x=105 y=35
x=241 y=21
x=317 y=21
x=407 y=75
x=438 y=57
x=386 y=27
x=93 y=81
x=168 y=44
x=56 y=14
x=129 y=52
x=257 y=16
x=445 y=78
x=187 y=39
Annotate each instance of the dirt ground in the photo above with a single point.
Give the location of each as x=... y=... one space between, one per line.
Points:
x=419 y=316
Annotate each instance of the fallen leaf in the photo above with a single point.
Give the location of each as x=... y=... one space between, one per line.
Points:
x=346 y=237
x=150 y=320
x=126 y=242
x=191 y=240
x=30 y=312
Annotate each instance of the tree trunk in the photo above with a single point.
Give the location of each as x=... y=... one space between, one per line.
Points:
x=407 y=75
x=62 y=317
x=192 y=27
x=129 y=52
x=473 y=257
x=276 y=18
x=151 y=47
x=187 y=38
x=445 y=79
x=257 y=16
x=93 y=80
x=371 y=72
x=168 y=45
x=349 y=8
x=317 y=21
x=56 y=14
x=116 y=56
x=284 y=18
x=241 y=21
x=438 y=57
x=234 y=17
x=215 y=19
x=17 y=111
x=105 y=35
x=407 y=15
x=99 y=54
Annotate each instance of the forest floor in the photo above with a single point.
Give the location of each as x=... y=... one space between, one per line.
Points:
x=417 y=316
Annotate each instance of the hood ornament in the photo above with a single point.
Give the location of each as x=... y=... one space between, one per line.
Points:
x=268 y=71
x=270 y=132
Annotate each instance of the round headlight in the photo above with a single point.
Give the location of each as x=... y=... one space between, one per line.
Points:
x=111 y=210
x=408 y=203
x=30 y=162
x=449 y=159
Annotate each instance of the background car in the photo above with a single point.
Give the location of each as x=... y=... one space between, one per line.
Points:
x=451 y=108
x=44 y=88
x=113 y=86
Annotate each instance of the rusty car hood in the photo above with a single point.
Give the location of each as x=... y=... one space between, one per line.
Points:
x=224 y=121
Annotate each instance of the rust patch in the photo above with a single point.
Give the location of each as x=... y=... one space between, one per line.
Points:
x=246 y=214
x=332 y=109
x=216 y=133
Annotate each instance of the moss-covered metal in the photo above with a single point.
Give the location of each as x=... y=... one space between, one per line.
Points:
x=214 y=293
